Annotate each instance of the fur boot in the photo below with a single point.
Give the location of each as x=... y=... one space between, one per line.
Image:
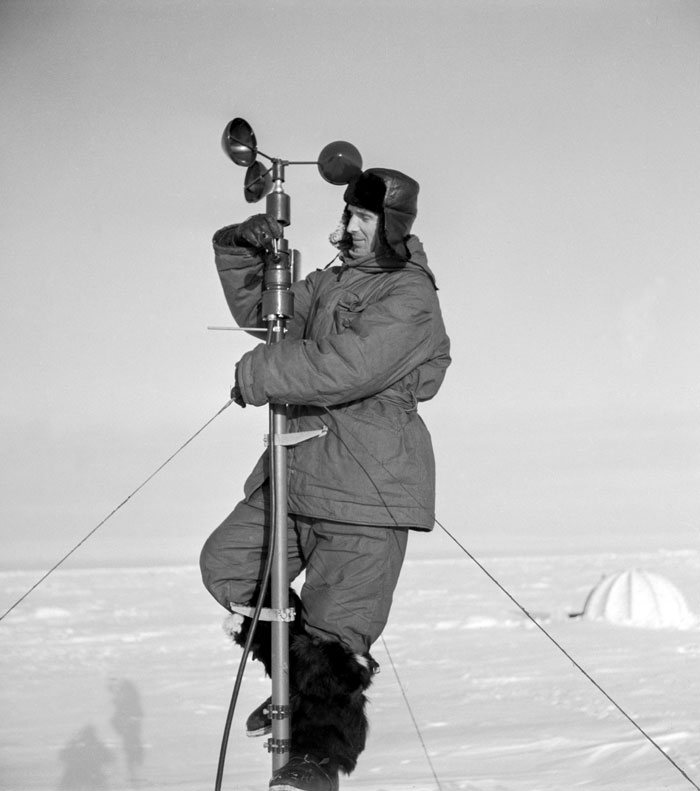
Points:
x=328 y=703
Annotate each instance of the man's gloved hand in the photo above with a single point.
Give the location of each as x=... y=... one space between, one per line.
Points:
x=258 y=231
x=236 y=394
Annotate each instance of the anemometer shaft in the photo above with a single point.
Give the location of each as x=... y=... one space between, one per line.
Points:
x=277 y=299
x=277 y=202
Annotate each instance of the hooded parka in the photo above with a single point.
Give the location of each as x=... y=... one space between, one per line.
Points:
x=365 y=346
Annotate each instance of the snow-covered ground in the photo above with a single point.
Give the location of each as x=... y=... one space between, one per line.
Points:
x=118 y=679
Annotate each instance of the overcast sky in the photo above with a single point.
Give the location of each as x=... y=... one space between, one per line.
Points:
x=556 y=147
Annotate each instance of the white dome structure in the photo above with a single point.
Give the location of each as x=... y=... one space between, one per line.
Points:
x=638 y=598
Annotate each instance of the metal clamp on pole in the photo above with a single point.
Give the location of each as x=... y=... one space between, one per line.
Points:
x=296 y=437
x=279 y=746
x=266 y=613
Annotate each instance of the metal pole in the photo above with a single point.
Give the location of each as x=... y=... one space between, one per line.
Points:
x=281 y=721
x=278 y=306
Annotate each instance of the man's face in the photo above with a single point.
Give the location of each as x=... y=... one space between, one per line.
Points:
x=362 y=226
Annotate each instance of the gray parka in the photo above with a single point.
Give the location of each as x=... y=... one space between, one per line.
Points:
x=366 y=344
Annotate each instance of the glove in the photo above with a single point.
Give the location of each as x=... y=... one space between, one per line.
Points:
x=258 y=231
x=236 y=394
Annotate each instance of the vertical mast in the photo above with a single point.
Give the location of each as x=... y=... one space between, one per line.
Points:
x=278 y=307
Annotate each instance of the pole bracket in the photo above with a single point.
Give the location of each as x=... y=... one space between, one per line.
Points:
x=266 y=614
x=279 y=746
x=296 y=437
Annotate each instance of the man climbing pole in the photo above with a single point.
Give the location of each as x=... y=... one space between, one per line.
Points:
x=366 y=345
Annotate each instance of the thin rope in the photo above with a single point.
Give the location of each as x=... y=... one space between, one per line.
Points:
x=567 y=655
x=410 y=711
x=114 y=511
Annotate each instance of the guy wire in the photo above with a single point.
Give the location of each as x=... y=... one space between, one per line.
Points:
x=114 y=511
x=512 y=599
x=567 y=655
x=410 y=711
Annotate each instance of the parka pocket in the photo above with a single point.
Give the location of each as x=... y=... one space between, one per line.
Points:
x=347 y=311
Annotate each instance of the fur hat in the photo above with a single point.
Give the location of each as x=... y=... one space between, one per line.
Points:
x=389 y=193
x=367 y=191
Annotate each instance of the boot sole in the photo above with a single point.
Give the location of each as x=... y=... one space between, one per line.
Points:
x=286 y=787
x=259 y=732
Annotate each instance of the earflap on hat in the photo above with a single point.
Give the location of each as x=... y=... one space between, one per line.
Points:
x=340 y=238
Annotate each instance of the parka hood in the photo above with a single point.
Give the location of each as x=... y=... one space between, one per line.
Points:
x=416 y=259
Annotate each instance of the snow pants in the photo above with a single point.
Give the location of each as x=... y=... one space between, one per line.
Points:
x=351 y=570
